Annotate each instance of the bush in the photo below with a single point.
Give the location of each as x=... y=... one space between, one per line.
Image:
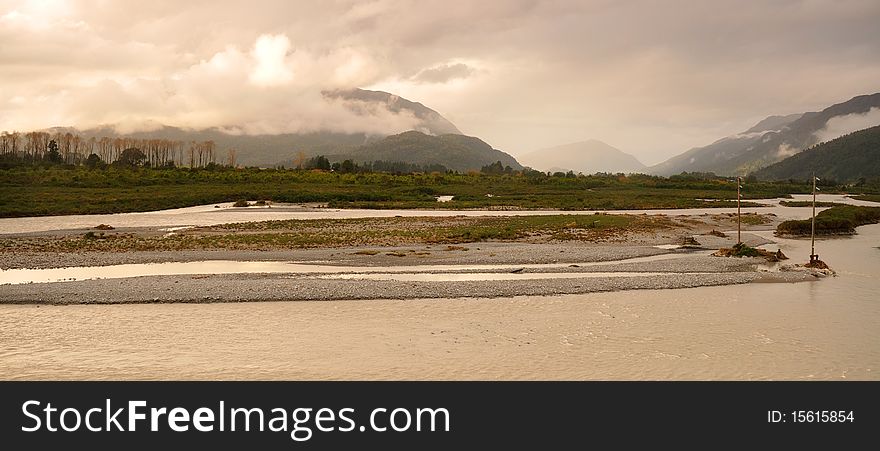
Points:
x=837 y=220
x=241 y=203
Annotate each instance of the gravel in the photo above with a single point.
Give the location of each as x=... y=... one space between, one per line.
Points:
x=287 y=287
x=482 y=253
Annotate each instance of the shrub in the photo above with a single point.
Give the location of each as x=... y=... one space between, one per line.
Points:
x=837 y=220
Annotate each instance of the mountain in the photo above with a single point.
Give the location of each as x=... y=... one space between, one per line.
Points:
x=773 y=123
x=771 y=140
x=362 y=100
x=588 y=157
x=270 y=150
x=845 y=159
x=458 y=152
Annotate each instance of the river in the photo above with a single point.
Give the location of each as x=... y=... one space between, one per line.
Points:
x=213 y=214
x=826 y=329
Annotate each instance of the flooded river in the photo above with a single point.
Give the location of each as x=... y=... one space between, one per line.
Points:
x=827 y=329
x=206 y=215
x=69 y=274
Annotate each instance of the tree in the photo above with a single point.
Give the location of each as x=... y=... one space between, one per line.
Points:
x=494 y=168
x=320 y=162
x=93 y=161
x=230 y=158
x=131 y=157
x=300 y=160
x=52 y=153
x=347 y=167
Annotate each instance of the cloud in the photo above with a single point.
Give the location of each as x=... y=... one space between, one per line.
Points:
x=651 y=78
x=271 y=67
x=785 y=150
x=444 y=73
x=252 y=91
x=838 y=126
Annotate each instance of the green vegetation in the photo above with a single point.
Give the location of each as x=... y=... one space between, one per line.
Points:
x=754 y=219
x=742 y=250
x=850 y=158
x=807 y=203
x=60 y=190
x=868 y=197
x=456 y=152
x=290 y=234
x=837 y=220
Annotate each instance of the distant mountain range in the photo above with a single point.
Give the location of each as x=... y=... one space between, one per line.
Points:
x=846 y=159
x=771 y=140
x=435 y=139
x=589 y=157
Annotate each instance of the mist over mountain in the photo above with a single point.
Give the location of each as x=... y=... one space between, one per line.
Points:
x=283 y=148
x=365 y=102
x=845 y=159
x=775 y=138
x=589 y=157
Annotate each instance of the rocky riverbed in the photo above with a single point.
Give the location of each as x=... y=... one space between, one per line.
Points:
x=674 y=254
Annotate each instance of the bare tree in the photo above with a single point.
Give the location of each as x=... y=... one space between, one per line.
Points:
x=117 y=148
x=230 y=158
x=300 y=159
x=192 y=154
x=14 y=139
x=209 y=151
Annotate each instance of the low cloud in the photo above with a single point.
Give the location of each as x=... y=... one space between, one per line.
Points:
x=838 y=126
x=785 y=150
x=652 y=77
x=444 y=73
x=267 y=88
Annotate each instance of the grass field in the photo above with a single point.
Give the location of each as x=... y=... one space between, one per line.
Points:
x=40 y=191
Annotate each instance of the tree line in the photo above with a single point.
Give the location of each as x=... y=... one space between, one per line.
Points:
x=72 y=149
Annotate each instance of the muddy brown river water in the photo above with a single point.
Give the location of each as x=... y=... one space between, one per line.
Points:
x=827 y=329
x=213 y=214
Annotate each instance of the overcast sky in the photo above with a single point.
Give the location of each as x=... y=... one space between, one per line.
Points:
x=652 y=78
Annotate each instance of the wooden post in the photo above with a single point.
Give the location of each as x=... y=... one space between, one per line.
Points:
x=738 y=214
x=813 y=256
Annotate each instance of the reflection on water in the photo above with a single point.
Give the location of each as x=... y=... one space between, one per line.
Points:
x=829 y=329
x=20 y=276
x=206 y=215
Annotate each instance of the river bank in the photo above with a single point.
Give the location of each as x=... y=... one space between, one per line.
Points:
x=477 y=270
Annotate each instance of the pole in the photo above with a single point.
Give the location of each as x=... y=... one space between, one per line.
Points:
x=738 y=215
x=813 y=225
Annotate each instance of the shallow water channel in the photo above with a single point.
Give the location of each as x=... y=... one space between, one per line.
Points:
x=477 y=272
x=213 y=214
x=826 y=329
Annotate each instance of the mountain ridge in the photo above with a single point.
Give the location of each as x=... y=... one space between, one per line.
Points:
x=468 y=153
x=588 y=156
x=848 y=158
x=756 y=148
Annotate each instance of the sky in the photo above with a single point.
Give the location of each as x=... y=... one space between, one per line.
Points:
x=653 y=78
